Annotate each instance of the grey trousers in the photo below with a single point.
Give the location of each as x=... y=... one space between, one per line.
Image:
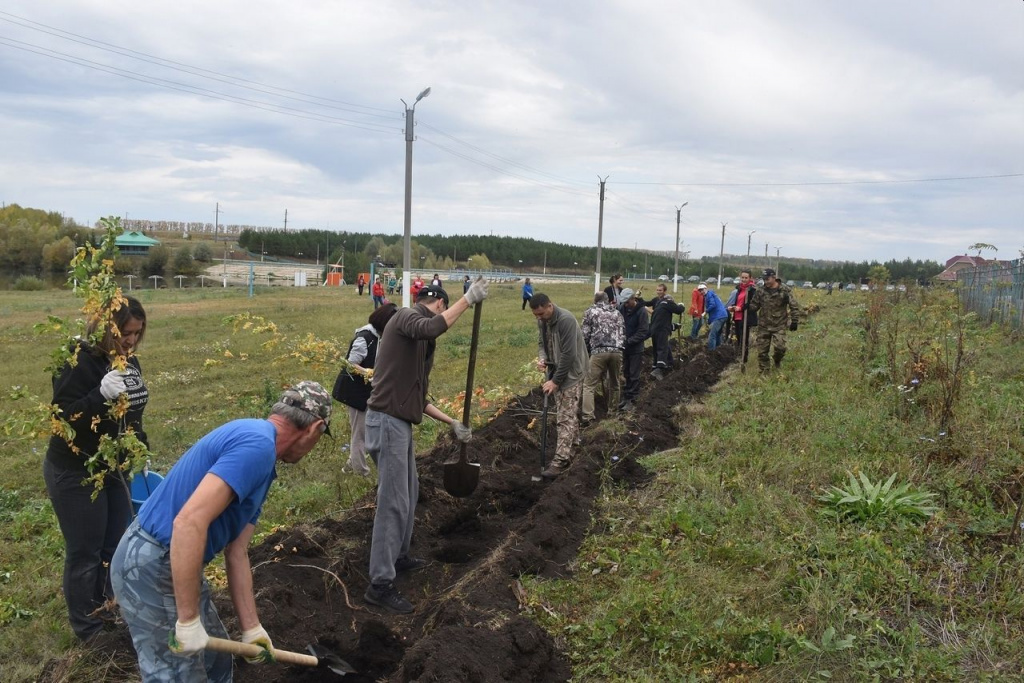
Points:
x=389 y=442
x=357 y=444
x=141 y=571
x=91 y=530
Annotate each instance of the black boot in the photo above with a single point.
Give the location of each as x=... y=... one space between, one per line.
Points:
x=777 y=357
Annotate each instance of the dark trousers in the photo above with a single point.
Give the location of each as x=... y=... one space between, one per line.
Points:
x=92 y=530
x=526 y=300
x=632 y=366
x=662 y=352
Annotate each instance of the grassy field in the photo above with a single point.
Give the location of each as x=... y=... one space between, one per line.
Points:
x=726 y=565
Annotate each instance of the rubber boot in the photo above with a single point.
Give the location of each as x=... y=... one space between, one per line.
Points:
x=777 y=356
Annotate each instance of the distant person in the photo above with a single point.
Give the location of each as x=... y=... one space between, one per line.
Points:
x=465 y=284
x=614 y=288
x=662 y=309
x=436 y=280
x=352 y=387
x=828 y=288
x=739 y=310
x=527 y=293
x=604 y=333
x=717 y=317
x=360 y=283
x=209 y=502
x=562 y=352
x=391 y=285
x=777 y=309
x=85 y=392
x=399 y=401
x=697 y=309
x=415 y=287
x=378 y=294
x=637 y=329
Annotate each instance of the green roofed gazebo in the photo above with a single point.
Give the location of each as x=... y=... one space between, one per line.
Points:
x=134 y=243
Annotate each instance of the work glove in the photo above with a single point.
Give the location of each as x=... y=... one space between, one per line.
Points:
x=257 y=635
x=187 y=637
x=112 y=385
x=676 y=326
x=792 y=326
x=477 y=291
x=461 y=431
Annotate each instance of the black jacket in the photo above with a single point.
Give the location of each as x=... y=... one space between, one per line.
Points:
x=76 y=391
x=350 y=388
x=661 y=315
x=637 y=329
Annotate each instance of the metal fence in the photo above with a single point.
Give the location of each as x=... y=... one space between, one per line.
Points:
x=995 y=292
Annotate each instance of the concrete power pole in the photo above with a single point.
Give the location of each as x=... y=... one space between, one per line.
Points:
x=721 y=256
x=600 y=230
x=675 y=274
x=216 y=222
x=286 y=220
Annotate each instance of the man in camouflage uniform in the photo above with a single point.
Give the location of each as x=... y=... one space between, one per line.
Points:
x=604 y=332
x=776 y=309
x=562 y=347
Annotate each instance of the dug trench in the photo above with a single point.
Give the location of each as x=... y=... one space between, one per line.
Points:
x=467 y=625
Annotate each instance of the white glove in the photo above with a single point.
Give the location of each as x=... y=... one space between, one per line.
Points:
x=188 y=637
x=257 y=635
x=462 y=432
x=112 y=385
x=477 y=291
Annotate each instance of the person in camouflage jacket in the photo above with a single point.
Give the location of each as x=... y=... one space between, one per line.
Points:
x=604 y=332
x=777 y=309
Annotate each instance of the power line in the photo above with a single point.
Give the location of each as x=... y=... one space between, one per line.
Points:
x=830 y=182
x=191 y=89
x=194 y=70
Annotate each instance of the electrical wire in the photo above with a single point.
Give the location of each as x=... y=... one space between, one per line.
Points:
x=831 y=182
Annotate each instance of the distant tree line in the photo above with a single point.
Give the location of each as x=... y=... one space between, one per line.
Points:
x=528 y=255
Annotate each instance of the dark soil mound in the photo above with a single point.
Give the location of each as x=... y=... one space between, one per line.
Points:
x=310 y=578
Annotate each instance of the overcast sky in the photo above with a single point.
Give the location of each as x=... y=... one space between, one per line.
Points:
x=842 y=130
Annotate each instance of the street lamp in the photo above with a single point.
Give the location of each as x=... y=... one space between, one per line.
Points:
x=410 y=115
x=749 y=235
x=675 y=279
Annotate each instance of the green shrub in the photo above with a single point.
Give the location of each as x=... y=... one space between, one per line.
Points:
x=862 y=500
x=29 y=283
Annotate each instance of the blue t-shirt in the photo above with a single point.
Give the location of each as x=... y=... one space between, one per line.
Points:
x=243 y=454
x=714 y=307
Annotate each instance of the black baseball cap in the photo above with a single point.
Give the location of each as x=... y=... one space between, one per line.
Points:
x=434 y=292
x=768 y=272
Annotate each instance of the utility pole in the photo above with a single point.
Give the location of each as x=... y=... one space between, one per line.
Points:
x=544 y=271
x=410 y=121
x=675 y=274
x=600 y=229
x=777 y=249
x=286 y=220
x=216 y=222
x=721 y=256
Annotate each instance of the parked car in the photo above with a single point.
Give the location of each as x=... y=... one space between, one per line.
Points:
x=902 y=288
x=808 y=285
x=822 y=285
x=890 y=288
x=790 y=283
x=851 y=287
x=711 y=281
x=693 y=278
x=663 y=278
x=864 y=288
x=727 y=280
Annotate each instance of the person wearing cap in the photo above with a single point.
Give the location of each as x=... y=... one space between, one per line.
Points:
x=398 y=401
x=562 y=357
x=662 y=309
x=697 y=309
x=777 y=309
x=717 y=315
x=637 y=329
x=209 y=502
x=604 y=332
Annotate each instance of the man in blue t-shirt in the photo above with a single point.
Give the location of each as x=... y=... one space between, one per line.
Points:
x=209 y=502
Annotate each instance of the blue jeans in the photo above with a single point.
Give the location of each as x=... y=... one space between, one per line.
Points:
x=715 y=333
x=696 y=327
x=141 y=574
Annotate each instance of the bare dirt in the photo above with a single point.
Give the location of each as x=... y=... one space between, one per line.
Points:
x=467 y=624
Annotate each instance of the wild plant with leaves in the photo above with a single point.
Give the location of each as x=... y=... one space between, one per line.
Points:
x=862 y=500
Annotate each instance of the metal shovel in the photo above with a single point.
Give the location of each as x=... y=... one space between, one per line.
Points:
x=461 y=478
x=543 y=431
x=321 y=657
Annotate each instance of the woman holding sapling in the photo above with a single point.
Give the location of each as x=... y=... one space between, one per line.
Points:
x=100 y=393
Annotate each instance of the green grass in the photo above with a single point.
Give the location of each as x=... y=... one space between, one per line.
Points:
x=729 y=565
x=726 y=565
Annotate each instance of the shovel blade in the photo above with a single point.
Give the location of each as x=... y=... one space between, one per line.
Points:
x=461 y=478
x=330 y=660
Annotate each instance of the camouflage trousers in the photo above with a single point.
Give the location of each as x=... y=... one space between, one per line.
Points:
x=141 y=573
x=567 y=411
x=766 y=339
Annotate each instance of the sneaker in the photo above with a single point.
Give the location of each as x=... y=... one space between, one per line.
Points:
x=387 y=596
x=586 y=421
x=658 y=374
x=410 y=564
x=553 y=471
x=627 y=406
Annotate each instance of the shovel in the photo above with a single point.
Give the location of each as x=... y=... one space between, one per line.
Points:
x=460 y=478
x=320 y=657
x=743 y=346
x=543 y=434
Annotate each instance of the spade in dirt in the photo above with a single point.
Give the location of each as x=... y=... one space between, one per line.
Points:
x=320 y=657
x=460 y=478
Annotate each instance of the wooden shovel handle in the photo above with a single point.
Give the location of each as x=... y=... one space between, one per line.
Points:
x=233 y=647
x=469 y=374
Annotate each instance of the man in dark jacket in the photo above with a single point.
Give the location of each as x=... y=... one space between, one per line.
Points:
x=637 y=330
x=662 y=309
x=397 y=402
